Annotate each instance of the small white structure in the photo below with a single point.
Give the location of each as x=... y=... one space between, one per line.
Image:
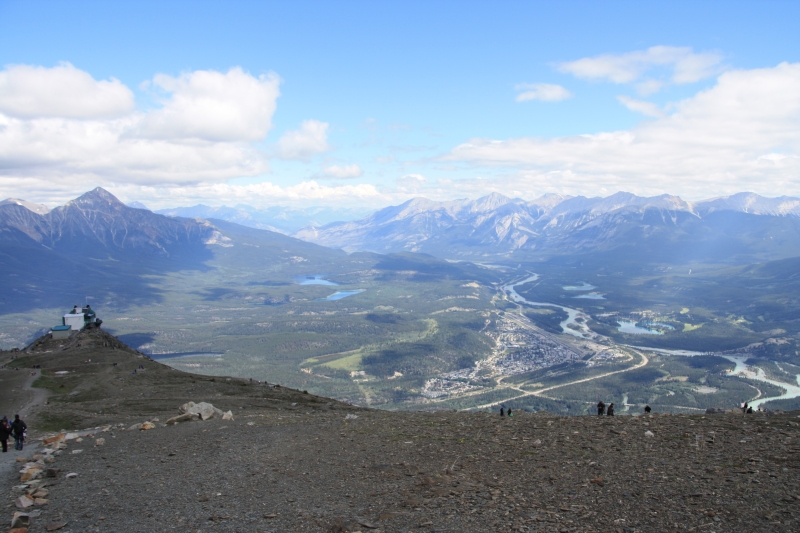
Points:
x=76 y=320
x=61 y=332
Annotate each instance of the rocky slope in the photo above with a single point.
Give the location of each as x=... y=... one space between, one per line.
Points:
x=292 y=462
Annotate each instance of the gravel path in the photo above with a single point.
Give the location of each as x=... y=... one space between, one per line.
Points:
x=320 y=470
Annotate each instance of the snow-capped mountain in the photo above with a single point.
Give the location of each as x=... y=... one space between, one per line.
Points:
x=496 y=224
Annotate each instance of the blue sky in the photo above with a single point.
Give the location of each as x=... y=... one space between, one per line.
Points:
x=371 y=103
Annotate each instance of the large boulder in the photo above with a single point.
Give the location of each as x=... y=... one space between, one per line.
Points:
x=204 y=409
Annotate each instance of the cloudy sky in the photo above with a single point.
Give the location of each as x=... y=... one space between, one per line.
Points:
x=367 y=104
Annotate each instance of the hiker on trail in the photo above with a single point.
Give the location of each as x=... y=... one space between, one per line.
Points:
x=744 y=407
x=5 y=432
x=18 y=428
x=601 y=408
x=509 y=412
x=647 y=409
x=749 y=410
x=502 y=411
x=610 y=411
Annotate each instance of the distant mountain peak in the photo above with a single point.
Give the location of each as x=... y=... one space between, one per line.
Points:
x=30 y=206
x=98 y=193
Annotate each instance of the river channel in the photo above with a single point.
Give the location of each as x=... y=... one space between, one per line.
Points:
x=577 y=329
x=744 y=370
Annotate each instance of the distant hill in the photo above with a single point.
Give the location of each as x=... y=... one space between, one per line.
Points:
x=741 y=228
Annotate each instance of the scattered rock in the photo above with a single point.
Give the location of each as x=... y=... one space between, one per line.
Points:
x=75 y=452
x=21 y=520
x=147 y=426
x=204 y=409
x=99 y=442
x=186 y=417
x=228 y=416
x=23 y=502
x=649 y=433
x=55 y=526
x=71 y=475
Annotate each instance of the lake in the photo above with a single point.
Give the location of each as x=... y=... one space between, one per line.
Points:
x=313 y=280
x=338 y=295
x=591 y=296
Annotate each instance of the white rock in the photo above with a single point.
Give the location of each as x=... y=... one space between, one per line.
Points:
x=351 y=417
x=71 y=475
x=649 y=433
x=228 y=416
x=74 y=452
x=99 y=442
x=204 y=409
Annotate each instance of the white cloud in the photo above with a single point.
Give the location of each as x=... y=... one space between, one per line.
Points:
x=712 y=143
x=411 y=183
x=310 y=139
x=76 y=141
x=647 y=87
x=686 y=65
x=546 y=92
x=63 y=91
x=213 y=106
x=343 y=171
x=262 y=194
x=645 y=108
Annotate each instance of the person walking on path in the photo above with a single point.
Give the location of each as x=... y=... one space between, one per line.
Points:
x=5 y=432
x=18 y=428
x=647 y=409
x=601 y=408
x=610 y=411
x=502 y=411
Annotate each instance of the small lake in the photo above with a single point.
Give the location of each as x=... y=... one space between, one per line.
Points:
x=338 y=295
x=160 y=356
x=313 y=280
x=582 y=287
x=630 y=327
x=591 y=296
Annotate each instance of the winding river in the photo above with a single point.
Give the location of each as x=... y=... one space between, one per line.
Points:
x=570 y=326
x=744 y=370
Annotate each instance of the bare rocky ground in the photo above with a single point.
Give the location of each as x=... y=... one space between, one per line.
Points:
x=291 y=462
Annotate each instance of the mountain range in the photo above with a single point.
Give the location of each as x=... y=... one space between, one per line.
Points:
x=743 y=227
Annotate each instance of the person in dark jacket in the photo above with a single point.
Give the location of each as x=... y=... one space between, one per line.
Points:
x=610 y=411
x=18 y=428
x=5 y=432
x=601 y=408
x=647 y=409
